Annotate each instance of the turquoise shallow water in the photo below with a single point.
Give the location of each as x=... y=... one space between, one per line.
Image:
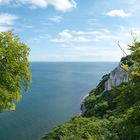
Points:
x=54 y=97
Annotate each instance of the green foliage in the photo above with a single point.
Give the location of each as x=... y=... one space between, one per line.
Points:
x=80 y=128
x=101 y=86
x=110 y=115
x=127 y=60
x=14 y=69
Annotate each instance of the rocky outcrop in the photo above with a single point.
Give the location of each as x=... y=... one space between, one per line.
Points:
x=83 y=108
x=117 y=77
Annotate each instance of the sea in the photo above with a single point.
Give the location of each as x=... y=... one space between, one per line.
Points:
x=55 y=95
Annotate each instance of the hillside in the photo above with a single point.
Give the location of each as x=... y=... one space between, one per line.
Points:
x=111 y=111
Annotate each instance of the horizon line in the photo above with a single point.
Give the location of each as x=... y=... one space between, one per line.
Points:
x=74 y=61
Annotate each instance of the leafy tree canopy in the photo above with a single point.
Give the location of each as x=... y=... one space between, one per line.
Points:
x=14 y=69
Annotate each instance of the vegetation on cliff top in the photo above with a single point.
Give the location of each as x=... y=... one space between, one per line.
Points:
x=112 y=115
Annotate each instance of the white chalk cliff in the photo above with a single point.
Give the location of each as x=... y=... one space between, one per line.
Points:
x=117 y=76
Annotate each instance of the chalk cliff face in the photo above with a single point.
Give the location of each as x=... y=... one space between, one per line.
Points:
x=117 y=76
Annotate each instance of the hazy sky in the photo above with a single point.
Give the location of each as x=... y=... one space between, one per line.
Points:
x=72 y=30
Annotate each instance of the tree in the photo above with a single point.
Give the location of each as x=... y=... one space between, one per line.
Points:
x=14 y=69
x=135 y=57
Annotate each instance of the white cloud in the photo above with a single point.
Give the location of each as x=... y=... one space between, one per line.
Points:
x=56 y=19
x=63 y=36
x=103 y=42
x=100 y=45
x=7 y=19
x=3 y=2
x=118 y=13
x=69 y=36
x=61 y=5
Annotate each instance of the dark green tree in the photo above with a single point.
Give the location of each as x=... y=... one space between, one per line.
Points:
x=14 y=69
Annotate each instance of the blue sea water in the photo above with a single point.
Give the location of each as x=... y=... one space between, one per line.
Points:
x=54 y=97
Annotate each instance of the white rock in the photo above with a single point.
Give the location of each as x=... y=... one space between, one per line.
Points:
x=117 y=76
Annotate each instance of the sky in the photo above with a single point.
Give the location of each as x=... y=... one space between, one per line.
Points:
x=72 y=30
